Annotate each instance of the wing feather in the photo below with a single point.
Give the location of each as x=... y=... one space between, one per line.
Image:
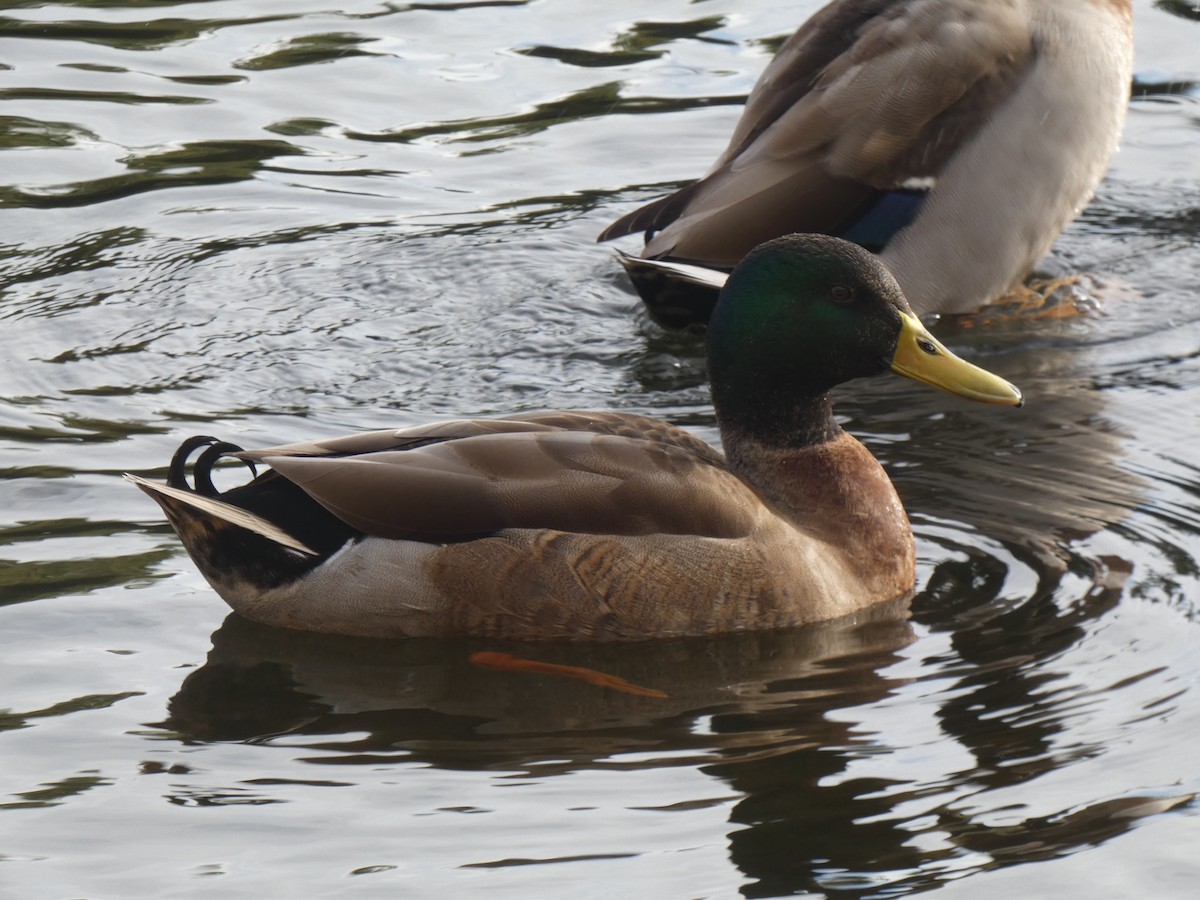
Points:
x=561 y=480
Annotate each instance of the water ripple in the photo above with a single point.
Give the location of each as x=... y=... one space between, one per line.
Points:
x=273 y=224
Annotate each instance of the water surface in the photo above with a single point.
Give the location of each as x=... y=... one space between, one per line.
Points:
x=272 y=221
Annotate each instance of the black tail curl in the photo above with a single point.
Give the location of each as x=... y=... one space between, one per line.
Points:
x=202 y=471
x=269 y=496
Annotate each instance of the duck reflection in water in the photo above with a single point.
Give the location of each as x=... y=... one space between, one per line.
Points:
x=783 y=719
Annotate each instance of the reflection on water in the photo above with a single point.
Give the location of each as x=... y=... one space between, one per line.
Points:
x=782 y=721
x=274 y=224
x=405 y=693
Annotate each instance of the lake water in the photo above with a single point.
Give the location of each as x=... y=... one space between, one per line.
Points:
x=272 y=220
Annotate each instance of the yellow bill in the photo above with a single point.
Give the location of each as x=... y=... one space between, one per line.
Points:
x=921 y=357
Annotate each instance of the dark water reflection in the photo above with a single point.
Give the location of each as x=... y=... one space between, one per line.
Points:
x=274 y=224
x=409 y=694
x=775 y=719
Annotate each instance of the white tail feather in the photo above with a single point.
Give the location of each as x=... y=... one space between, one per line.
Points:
x=682 y=271
x=224 y=511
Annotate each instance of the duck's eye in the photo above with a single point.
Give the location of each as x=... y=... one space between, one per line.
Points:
x=839 y=293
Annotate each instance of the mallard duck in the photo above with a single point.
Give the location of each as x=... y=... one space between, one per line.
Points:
x=599 y=525
x=956 y=138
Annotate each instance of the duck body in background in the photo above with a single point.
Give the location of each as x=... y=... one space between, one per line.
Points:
x=955 y=138
x=599 y=525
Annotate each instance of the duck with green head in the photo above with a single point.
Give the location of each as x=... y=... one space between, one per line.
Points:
x=600 y=525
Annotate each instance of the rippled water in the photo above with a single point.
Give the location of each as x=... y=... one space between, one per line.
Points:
x=271 y=221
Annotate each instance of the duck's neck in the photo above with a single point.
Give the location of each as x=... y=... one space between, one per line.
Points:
x=813 y=472
x=790 y=425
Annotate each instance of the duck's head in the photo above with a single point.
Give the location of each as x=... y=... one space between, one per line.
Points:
x=805 y=312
